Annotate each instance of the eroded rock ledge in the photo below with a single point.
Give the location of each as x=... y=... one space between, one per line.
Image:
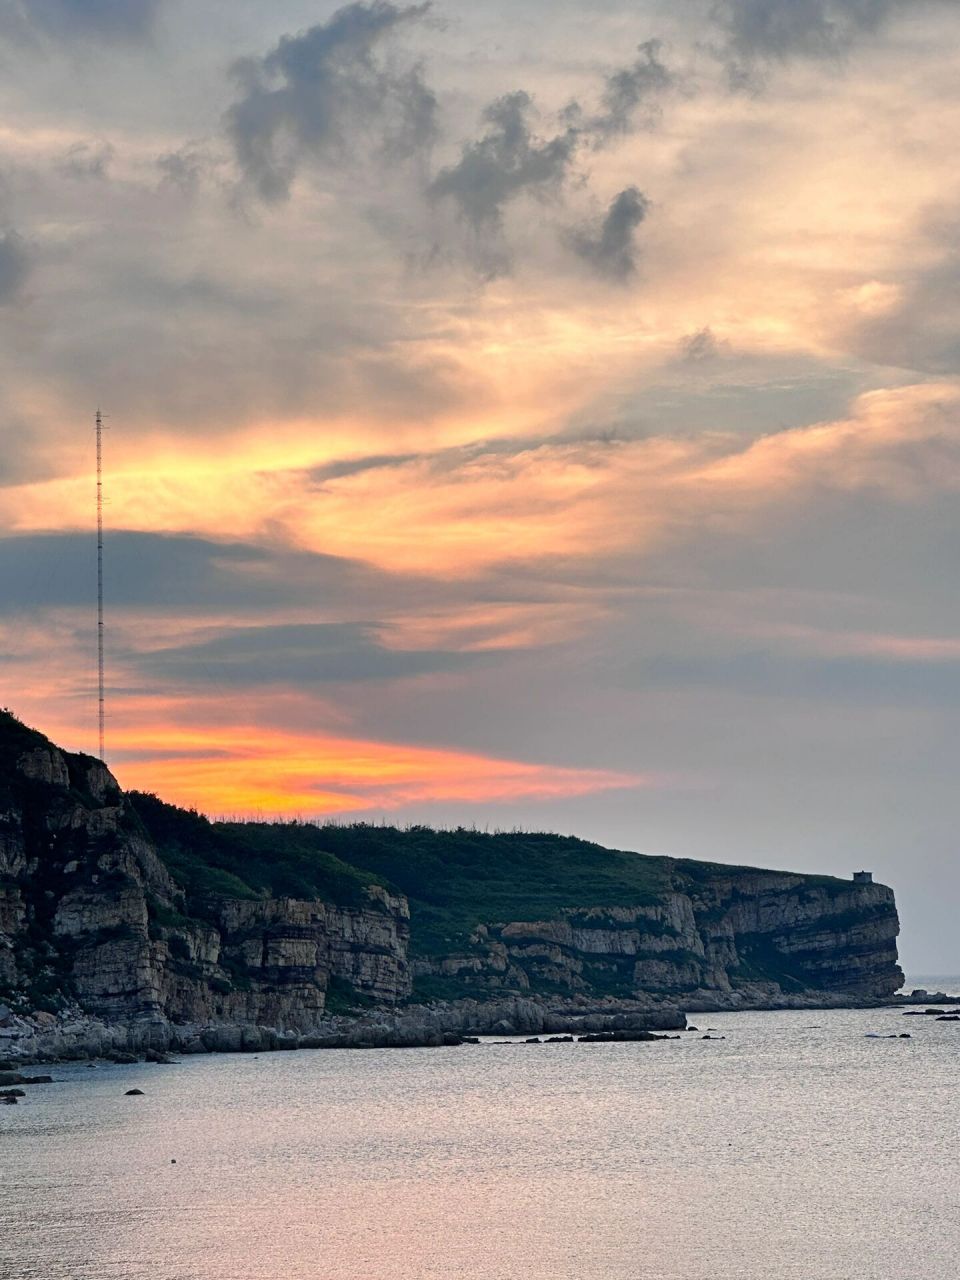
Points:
x=75 y=1035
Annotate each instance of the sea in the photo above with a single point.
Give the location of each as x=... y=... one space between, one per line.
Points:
x=810 y=1145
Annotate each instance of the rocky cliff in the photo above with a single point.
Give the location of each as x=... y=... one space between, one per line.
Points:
x=125 y=910
x=89 y=913
x=759 y=936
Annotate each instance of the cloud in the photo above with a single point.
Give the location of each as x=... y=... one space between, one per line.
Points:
x=553 y=503
x=630 y=89
x=185 y=167
x=277 y=771
x=332 y=93
x=320 y=94
x=507 y=161
x=779 y=30
x=611 y=251
x=566 y=475
x=183 y=575
x=87 y=160
x=298 y=655
x=898 y=446
x=912 y=319
x=120 y=20
x=14 y=266
x=699 y=347
x=761 y=672
x=510 y=160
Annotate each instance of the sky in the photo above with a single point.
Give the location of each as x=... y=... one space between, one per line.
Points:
x=537 y=414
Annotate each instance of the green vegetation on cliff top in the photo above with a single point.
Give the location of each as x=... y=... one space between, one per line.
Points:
x=218 y=860
x=454 y=880
x=458 y=879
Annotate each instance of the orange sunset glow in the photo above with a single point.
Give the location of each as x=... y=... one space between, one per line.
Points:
x=586 y=459
x=276 y=774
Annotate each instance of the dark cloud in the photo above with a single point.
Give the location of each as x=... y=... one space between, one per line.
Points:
x=333 y=92
x=696 y=348
x=193 y=576
x=326 y=92
x=303 y=654
x=611 y=250
x=778 y=30
x=921 y=331
x=508 y=160
x=631 y=92
x=87 y=160
x=356 y=466
x=173 y=573
x=79 y=19
x=14 y=266
x=185 y=167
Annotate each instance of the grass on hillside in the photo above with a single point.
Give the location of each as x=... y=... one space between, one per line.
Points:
x=454 y=880
x=458 y=879
x=216 y=860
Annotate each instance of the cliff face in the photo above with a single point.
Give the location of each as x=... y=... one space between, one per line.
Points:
x=88 y=910
x=129 y=909
x=750 y=932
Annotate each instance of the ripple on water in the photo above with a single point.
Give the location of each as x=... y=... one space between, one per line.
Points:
x=795 y=1147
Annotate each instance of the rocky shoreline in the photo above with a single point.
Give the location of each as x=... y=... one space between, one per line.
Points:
x=74 y=1035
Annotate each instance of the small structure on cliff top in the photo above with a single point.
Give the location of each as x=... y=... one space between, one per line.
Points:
x=863 y=877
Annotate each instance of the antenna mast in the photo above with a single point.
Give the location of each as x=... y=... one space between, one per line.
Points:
x=100 y=578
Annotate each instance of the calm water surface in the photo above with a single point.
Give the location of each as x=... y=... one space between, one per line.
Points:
x=795 y=1147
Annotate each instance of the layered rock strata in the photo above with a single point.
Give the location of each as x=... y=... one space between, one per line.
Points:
x=88 y=909
x=762 y=935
